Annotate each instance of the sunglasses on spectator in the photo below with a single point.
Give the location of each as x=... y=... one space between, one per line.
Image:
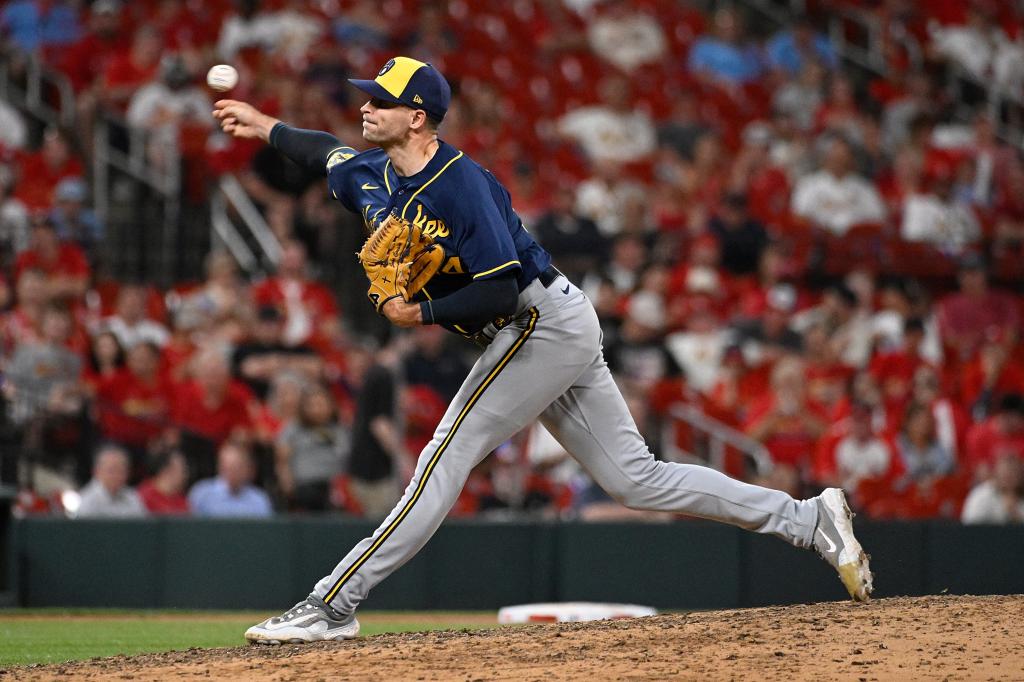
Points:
x=378 y=103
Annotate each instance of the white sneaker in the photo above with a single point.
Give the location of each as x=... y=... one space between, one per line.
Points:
x=311 y=620
x=834 y=541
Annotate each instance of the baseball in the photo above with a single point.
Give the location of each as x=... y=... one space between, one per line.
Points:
x=222 y=77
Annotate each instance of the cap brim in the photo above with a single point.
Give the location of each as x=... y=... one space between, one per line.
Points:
x=374 y=89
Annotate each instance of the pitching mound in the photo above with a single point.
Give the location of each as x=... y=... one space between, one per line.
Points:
x=925 y=638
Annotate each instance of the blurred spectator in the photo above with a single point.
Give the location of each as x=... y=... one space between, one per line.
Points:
x=433 y=361
x=574 y=242
x=168 y=107
x=615 y=203
x=222 y=295
x=699 y=348
x=44 y=374
x=766 y=338
x=264 y=354
x=362 y=25
x=432 y=40
x=967 y=317
x=14 y=220
x=281 y=406
x=379 y=461
x=108 y=494
x=766 y=185
x=164 y=491
x=625 y=36
x=792 y=48
x=978 y=46
x=73 y=221
x=231 y=493
x=210 y=409
x=311 y=450
x=23 y=323
x=784 y=420
x=290 y=30
x=938 y=216
x=304 y=302
x=988 y=377
x=637 y=355
x=841 y=115
x=105 y=359
x=613 y=131
x=916 y=99
x=13 y=131
x=861 y=454
x=87 y=58
x=800 y=98
x=726 y=56
x=922 y=456
x=836 y=198
x=65 y=266
x=741 y=239
x=133 y=405
x=1001 y=434
x=999 y=500
x=35 y=25
x=848 y=323
x=684 y=126
x=130 y=69
x=130 y=322
x=40 y=171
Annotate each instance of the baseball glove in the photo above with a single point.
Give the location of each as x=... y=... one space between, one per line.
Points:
x=398 y=259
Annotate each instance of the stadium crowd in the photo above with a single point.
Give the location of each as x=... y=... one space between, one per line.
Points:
x=823 y=258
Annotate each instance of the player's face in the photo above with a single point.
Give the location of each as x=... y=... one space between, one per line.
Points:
x=384 y=122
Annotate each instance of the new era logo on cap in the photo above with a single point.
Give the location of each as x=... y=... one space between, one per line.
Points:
x=410 y=82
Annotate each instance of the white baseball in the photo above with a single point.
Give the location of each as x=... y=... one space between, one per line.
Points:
x=222 y=77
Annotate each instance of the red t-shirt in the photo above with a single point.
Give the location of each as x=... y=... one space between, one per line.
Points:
x=37 y=179
x=69 y=261
x=217 y=422
x=130 y=411
x=986 y=441
x=791 y=443
x=159 y=503
x=316 y=299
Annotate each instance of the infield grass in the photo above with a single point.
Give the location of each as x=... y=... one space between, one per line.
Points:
x=55 y=636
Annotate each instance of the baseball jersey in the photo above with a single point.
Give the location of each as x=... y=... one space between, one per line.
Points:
x=455 y=201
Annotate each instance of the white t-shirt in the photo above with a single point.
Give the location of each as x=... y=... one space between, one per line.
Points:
x=856 y=461
x=984 y=504
x=926 y=218
x=627 y=42
x=607 y=135
x=837 y=203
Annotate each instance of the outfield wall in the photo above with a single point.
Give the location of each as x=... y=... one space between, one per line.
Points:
x=172 y=563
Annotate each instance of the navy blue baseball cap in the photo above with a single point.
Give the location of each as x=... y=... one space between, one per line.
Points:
x=410 y=82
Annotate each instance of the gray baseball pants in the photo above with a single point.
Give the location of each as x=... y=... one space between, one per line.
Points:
x=548 y=364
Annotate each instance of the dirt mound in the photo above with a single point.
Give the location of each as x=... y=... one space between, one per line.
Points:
x=925 y=638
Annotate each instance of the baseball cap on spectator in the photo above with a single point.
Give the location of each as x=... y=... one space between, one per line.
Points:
x=71 y=189
x=412 y=83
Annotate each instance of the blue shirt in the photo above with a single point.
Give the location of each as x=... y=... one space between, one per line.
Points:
x=458 y=203
x=783 y=53
x=212 y=497
x=29 y=29
x=724 y=60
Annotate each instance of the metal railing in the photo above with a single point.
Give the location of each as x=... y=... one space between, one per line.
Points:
x=30 y=96
x=719 y=437
x=257 y=249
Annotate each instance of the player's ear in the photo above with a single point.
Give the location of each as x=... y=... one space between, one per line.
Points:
x=419 y=119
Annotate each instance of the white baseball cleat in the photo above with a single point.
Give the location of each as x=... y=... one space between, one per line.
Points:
x=834 y=541
x=311 y=620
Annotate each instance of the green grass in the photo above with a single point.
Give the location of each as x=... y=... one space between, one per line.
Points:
x=50 y=637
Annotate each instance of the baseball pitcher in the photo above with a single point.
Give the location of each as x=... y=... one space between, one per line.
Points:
x=446 y=247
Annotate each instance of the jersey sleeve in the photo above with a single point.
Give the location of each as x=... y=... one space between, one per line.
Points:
x=481 y=230
x=339 y=173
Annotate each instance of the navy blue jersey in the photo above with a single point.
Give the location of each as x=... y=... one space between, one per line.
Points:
x=460 y=204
